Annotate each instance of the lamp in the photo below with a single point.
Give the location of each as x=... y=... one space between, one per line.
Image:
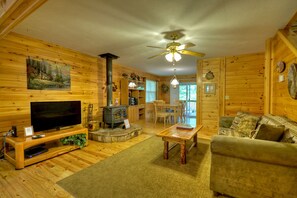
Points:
x=174 y=82
x=132 y=85
x=173 y=56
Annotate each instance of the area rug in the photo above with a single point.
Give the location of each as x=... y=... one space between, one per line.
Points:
x=141 y=171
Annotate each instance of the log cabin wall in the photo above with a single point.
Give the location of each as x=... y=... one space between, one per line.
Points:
x=239 y=86
x=281 y=102
x=15 y=97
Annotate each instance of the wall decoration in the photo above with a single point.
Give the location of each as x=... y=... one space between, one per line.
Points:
x=280 y=66
x=209 y=75
x=47 y=75
x=210 y=88
x=164 y=88
x=292 y=81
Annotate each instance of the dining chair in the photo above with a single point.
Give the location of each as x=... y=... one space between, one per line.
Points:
x=181 y=113
x=160 y=112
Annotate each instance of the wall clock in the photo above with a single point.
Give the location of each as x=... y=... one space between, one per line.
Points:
x=292 y=81
x=280 y=66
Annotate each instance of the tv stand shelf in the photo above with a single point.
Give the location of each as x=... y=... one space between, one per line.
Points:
x=17 y=158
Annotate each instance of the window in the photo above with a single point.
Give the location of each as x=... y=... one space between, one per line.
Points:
x=151 y=90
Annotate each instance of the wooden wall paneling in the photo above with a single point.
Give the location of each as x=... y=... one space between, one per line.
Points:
x=209 y=103
x=16 y=98
x=239 y=87
x=245 y=84
x=281 y=102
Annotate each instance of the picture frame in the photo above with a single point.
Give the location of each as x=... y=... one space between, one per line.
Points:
x=29 y=131
x=210 y=88
x=127 y=124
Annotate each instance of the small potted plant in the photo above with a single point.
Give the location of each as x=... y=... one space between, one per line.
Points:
x=78 y=140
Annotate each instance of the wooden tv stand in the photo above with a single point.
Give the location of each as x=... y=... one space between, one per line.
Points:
x=51 y=140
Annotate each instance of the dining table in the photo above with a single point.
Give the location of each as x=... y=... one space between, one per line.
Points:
x=174 y=109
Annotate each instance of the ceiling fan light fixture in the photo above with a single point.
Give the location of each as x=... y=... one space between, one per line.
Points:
x=177 y=56
x=169 y=57
x=173 y=56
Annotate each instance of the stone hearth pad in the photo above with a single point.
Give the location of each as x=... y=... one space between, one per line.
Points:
x=118 y=134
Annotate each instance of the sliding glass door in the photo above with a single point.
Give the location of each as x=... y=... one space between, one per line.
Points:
x=187 y=92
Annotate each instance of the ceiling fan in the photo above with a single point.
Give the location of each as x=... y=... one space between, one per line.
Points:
x=174 y=49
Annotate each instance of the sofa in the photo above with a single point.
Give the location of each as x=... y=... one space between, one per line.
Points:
x=255 y=161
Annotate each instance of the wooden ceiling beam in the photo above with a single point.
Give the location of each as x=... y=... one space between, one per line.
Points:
x=16 y=13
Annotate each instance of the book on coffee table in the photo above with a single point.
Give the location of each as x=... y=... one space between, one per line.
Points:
x=185 y=126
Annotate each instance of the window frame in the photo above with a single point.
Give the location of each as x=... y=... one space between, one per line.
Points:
x=149 y=92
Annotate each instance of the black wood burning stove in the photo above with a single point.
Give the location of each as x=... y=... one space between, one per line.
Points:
x=112 y=115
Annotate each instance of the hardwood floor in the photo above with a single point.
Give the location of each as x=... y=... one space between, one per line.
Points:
x=39 y=180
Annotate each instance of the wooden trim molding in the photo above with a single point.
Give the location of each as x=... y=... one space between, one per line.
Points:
x=283 y=37
x=222 y=88
x=267 y=78
x=16 y=13
x=199 y=93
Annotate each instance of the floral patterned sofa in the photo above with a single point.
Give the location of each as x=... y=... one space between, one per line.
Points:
x=254 y=157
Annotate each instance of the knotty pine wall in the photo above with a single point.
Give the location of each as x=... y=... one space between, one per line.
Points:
x=239 y=84
x=208 y=105
x=281 y=102
x=87 y=79
x=86 y=75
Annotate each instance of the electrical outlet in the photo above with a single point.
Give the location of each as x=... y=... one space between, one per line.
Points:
x=227 y=97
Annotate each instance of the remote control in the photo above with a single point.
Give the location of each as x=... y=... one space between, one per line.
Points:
x=38 y=136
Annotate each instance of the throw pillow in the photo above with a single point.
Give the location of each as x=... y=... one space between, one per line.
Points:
x=270 y=132
x=288 y=140
x=237 y=119
x=247 y=125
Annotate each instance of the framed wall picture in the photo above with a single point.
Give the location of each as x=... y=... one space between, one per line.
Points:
x=127 y=124
x=29 y=131
x=209 y=88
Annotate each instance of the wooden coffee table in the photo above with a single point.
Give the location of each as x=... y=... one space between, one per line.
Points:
x=179 y=136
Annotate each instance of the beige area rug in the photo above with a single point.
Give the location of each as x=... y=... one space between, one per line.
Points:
x=141 y=171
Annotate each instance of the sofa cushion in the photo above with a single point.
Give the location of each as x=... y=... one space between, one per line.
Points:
x=237 y=119
x=225 y=131
x=246 y=125
x=270 y=132
x=269 y=119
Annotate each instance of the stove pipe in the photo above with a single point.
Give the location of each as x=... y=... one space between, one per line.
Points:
x=109 y=58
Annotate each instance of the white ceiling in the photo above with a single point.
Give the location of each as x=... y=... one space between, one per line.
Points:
x=124 y=28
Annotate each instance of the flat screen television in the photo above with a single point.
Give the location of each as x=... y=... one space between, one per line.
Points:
x=54 y=115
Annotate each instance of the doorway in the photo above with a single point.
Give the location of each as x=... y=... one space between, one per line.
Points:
x=187 y=92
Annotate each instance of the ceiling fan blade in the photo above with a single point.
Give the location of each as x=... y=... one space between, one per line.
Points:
x=161 y=54
x=185 y=46
x=156 y=47
x=191 y=53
